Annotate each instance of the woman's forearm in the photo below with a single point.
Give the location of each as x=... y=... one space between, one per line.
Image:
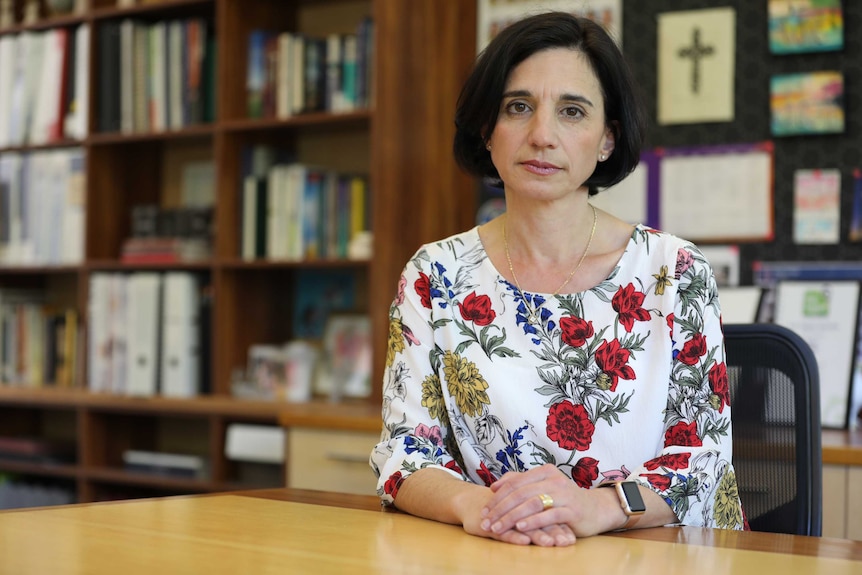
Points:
x=435 y=494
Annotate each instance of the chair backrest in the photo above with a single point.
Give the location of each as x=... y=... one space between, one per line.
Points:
x=775 y=402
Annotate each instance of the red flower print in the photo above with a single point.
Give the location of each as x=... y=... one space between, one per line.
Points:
x=392 y=484
x=660 y=482
x=684 y=260
x=682 y=434
x=693 y=349
x=670 y=461
x=477 y=308
x=576 y=330
x=569 y=426
x=485 y=474
x=452 y=465
x=718 y=383
x=585 y=471
x=612 y=358
x=628 y=304
x=423 y=289
x=669 y=321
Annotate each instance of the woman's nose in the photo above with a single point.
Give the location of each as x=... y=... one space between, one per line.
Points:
x=542 y=130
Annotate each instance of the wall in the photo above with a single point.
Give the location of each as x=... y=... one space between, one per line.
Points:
x=754 y=66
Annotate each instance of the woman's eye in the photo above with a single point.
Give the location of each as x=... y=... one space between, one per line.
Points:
x=517 y=107
x=572 y=112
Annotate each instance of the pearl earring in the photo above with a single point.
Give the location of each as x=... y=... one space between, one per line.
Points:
x=601 y=157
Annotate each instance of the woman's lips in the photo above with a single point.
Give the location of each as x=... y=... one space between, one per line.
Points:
x=542 y=168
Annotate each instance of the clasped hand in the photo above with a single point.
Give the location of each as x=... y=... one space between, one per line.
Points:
x=515 y=511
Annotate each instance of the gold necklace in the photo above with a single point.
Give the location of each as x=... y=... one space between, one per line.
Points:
x=532 y=312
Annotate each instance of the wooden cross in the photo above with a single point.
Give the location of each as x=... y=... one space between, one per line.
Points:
x=696 y=52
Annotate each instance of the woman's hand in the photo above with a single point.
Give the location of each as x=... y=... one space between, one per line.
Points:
x=516 y=505
x=472 y=504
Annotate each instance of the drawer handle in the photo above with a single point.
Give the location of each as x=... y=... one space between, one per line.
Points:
x=347 y=458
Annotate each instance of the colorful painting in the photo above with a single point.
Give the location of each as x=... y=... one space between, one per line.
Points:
x=808 y=103
x=494 y=15
x=805 y=26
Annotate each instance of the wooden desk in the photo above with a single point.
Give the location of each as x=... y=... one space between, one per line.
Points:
x=289 y=531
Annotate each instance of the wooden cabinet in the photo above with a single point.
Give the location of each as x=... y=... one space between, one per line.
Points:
x=401 y=141
x=328 y=447
x=842 y=484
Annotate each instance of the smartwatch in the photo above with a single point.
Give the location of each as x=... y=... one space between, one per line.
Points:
x=630 y=498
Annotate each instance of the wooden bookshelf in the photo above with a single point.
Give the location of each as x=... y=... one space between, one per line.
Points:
x=402 y=141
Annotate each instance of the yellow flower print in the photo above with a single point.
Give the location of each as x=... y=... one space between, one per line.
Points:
x=396 y=341
x=728 y=513
x=662 y=281
x=465 y=384
x=432 y=398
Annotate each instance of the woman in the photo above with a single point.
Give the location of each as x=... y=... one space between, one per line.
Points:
x=556 y=341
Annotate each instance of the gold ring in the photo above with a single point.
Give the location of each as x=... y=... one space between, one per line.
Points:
x=547 y=501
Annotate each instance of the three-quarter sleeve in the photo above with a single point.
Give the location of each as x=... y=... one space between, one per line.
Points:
x=693 y=471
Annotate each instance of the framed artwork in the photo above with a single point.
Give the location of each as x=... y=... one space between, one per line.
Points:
x=855 y=233
x=494 y=15
x=816 y=206
x=346 y=369
x=807 y=103
x=696 y=66
x=797 y=26
x=825 y=314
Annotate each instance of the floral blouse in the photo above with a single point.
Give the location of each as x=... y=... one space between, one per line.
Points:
x=625 y=380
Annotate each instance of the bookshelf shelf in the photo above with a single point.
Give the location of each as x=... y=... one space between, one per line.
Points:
x=324 y=119
x=394 y=142
x=41 y=469
x=114 y=138
x=167 y=8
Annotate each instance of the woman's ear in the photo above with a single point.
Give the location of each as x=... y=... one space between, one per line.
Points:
x=608 y=145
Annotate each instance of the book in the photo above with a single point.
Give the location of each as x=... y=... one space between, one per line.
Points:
x=158 y=80
x=277 y=219
x=8 y=47
x=162 y=463
x=348 y=71
x=109 y=60
x=334 y=93
x=283 y=108
x=181 y=349
x=127 y=75
x=254 y=209
x=176 y=64
x=256 y=72
x=77 y=115
x=141 y=78
x=143 y=321
x=314 y=66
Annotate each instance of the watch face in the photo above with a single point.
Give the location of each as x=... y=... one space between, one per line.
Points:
x=633 y=496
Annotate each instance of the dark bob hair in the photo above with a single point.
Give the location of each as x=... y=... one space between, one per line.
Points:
x=482 y=93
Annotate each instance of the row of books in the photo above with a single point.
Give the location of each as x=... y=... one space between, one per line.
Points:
x=15 y=493
x=43 y=86
x=169 y=235
x=299 y=212
x=155 y=76
x=148 y=333
x=290 y=73
x=42 y=207
x=38 y=342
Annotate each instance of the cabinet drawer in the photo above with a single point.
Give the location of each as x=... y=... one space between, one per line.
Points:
x=331 y=460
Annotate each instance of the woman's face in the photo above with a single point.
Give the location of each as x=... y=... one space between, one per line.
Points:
x=551 y=126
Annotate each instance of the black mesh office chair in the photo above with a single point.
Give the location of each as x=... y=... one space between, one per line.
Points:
x=775 y=402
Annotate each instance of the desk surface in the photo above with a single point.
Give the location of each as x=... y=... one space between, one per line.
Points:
x=288 y=531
